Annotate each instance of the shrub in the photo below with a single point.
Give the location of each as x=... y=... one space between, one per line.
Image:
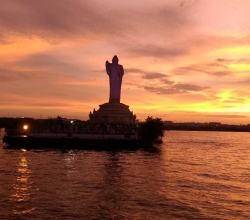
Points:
x=151 y=129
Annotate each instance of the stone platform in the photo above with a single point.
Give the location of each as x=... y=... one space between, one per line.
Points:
x=117 y=113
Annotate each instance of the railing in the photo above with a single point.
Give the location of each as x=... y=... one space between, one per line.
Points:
x=74 y=133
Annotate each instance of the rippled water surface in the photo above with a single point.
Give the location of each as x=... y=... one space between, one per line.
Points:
x=192 y=175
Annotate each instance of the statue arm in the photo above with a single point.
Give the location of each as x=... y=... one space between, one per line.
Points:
x=107 y=67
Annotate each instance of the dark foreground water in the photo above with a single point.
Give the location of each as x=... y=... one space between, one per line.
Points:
x=194 y=175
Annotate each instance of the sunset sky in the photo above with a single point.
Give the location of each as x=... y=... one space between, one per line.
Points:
x=184 y=61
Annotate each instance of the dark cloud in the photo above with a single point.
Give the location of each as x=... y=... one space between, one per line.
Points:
x=177 y=88
x=43 y=64
x=39 y=71
x=228 y=61
x=183 y=70
x=214 y=64
x=215 y=69
x=133 y=70
x=158 y=51
x=166 y=86
x=60 y=19
x=168 y=82
x=134 y=29
x=169 y=19
x=220 y=73
x=172 y=43
x=223 y=60
x=146 y=74
x=3 y=38
x=243 y=83
x=243 y=61
x=126 y=70
x=154 y=75
x=12 y=76
x=41 y=60
x=66 y=18
x=193 y=42
x=162 y=91
x=188 y=87
x=118 y=23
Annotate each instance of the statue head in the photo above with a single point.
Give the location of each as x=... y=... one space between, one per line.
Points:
x=115 y=60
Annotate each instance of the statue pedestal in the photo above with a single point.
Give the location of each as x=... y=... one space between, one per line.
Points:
x=108 y=113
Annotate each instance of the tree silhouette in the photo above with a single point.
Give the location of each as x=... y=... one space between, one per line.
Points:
x=152 y=129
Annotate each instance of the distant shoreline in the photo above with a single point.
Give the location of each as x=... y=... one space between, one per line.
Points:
x=208 y=130
x=212 y=126
x=14 y=123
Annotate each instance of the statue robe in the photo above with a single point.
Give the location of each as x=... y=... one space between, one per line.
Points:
x=115 y=72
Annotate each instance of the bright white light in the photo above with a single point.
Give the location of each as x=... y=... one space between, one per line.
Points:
x=25 y=127
x=71 y=122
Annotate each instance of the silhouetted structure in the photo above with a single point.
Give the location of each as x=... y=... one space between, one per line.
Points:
x=115 y=72
x=113 y=111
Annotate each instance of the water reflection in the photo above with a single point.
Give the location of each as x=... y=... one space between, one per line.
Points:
x=112 y=193
x=22 y=188
x=131 y=181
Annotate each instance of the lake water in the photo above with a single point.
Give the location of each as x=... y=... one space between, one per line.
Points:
x=192 y=175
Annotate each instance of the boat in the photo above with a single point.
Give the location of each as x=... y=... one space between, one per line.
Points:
x=68 y=139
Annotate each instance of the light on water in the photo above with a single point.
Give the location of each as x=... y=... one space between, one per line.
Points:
x=22 y=186
x=192 y=175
